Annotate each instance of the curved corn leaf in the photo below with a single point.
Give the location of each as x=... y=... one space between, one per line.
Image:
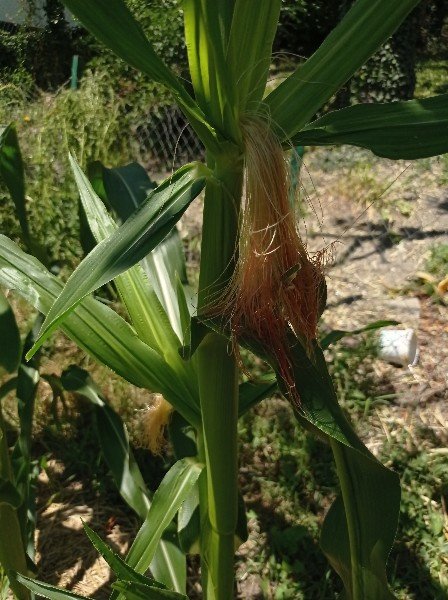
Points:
x=360 y=528
x=46 y=590
x=407 y=130
x=112 y=23
x=126 y=188
x=337 y=334
x=144 y=308
x=122 y=570
x=251 y=393
x=149 y=224
x=172 y=492
x=360 y=33
x=95 y=328
x=250 y=55
x=139 y=591
x=11 y=346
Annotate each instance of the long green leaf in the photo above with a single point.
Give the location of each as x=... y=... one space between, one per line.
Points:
x=12 y=173
x=399 y=130
x=140 y=591
x=126 y=188
x=27 y=381
x=113 y=24
x=249 y=55
x=122 y=570
x=361 y=527
x=360 y=33
x=95 y=328
x=48 y=591
x=251 y=393
x=142 y=302
x=11 y=346
x=129 y=243
x=12 y=549
x=153 y=305
x=172 y=492
x=337 y=334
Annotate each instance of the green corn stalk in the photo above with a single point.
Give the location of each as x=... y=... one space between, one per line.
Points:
x=229 y=51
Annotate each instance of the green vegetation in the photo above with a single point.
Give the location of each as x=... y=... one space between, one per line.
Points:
x=252 y=293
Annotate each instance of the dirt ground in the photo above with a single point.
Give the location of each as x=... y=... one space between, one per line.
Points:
x=380 y=228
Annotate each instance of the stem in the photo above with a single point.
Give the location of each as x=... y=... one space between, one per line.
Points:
x=349 y=499
x=218 y=385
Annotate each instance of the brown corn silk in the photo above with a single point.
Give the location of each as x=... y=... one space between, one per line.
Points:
x=276 y=286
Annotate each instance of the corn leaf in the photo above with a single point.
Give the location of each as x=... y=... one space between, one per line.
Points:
x=337 y=334
x=172 y=492
x=399 y=130
x=12 y=174
x=46 y=590
x=249 y=56
x=122 y=570
x=128 y=244
x=126 y=188
x=360 y=33
x=12 y=550
x=251 y=393
x=359 y=530
x=11 y=346
x=143 y=305
x=111 y=22
x=200 y=59
x=95 y=328
x=139 y=591
x=27 y=381
x=168 y=564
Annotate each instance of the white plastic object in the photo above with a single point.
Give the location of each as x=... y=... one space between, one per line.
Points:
x=398 y=346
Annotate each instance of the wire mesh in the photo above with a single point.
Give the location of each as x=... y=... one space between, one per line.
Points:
x=166 y=138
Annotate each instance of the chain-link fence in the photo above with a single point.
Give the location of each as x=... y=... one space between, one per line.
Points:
x=165 y=138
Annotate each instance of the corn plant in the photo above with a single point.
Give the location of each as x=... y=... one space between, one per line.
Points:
x=259 y=287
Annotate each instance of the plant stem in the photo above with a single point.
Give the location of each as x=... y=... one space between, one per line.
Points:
x=349 y=499
x=218 y=384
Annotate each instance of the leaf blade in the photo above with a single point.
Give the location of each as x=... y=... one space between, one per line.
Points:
x=128 y=244
x=174 y=489
x=399 y=130
x=360 y=33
